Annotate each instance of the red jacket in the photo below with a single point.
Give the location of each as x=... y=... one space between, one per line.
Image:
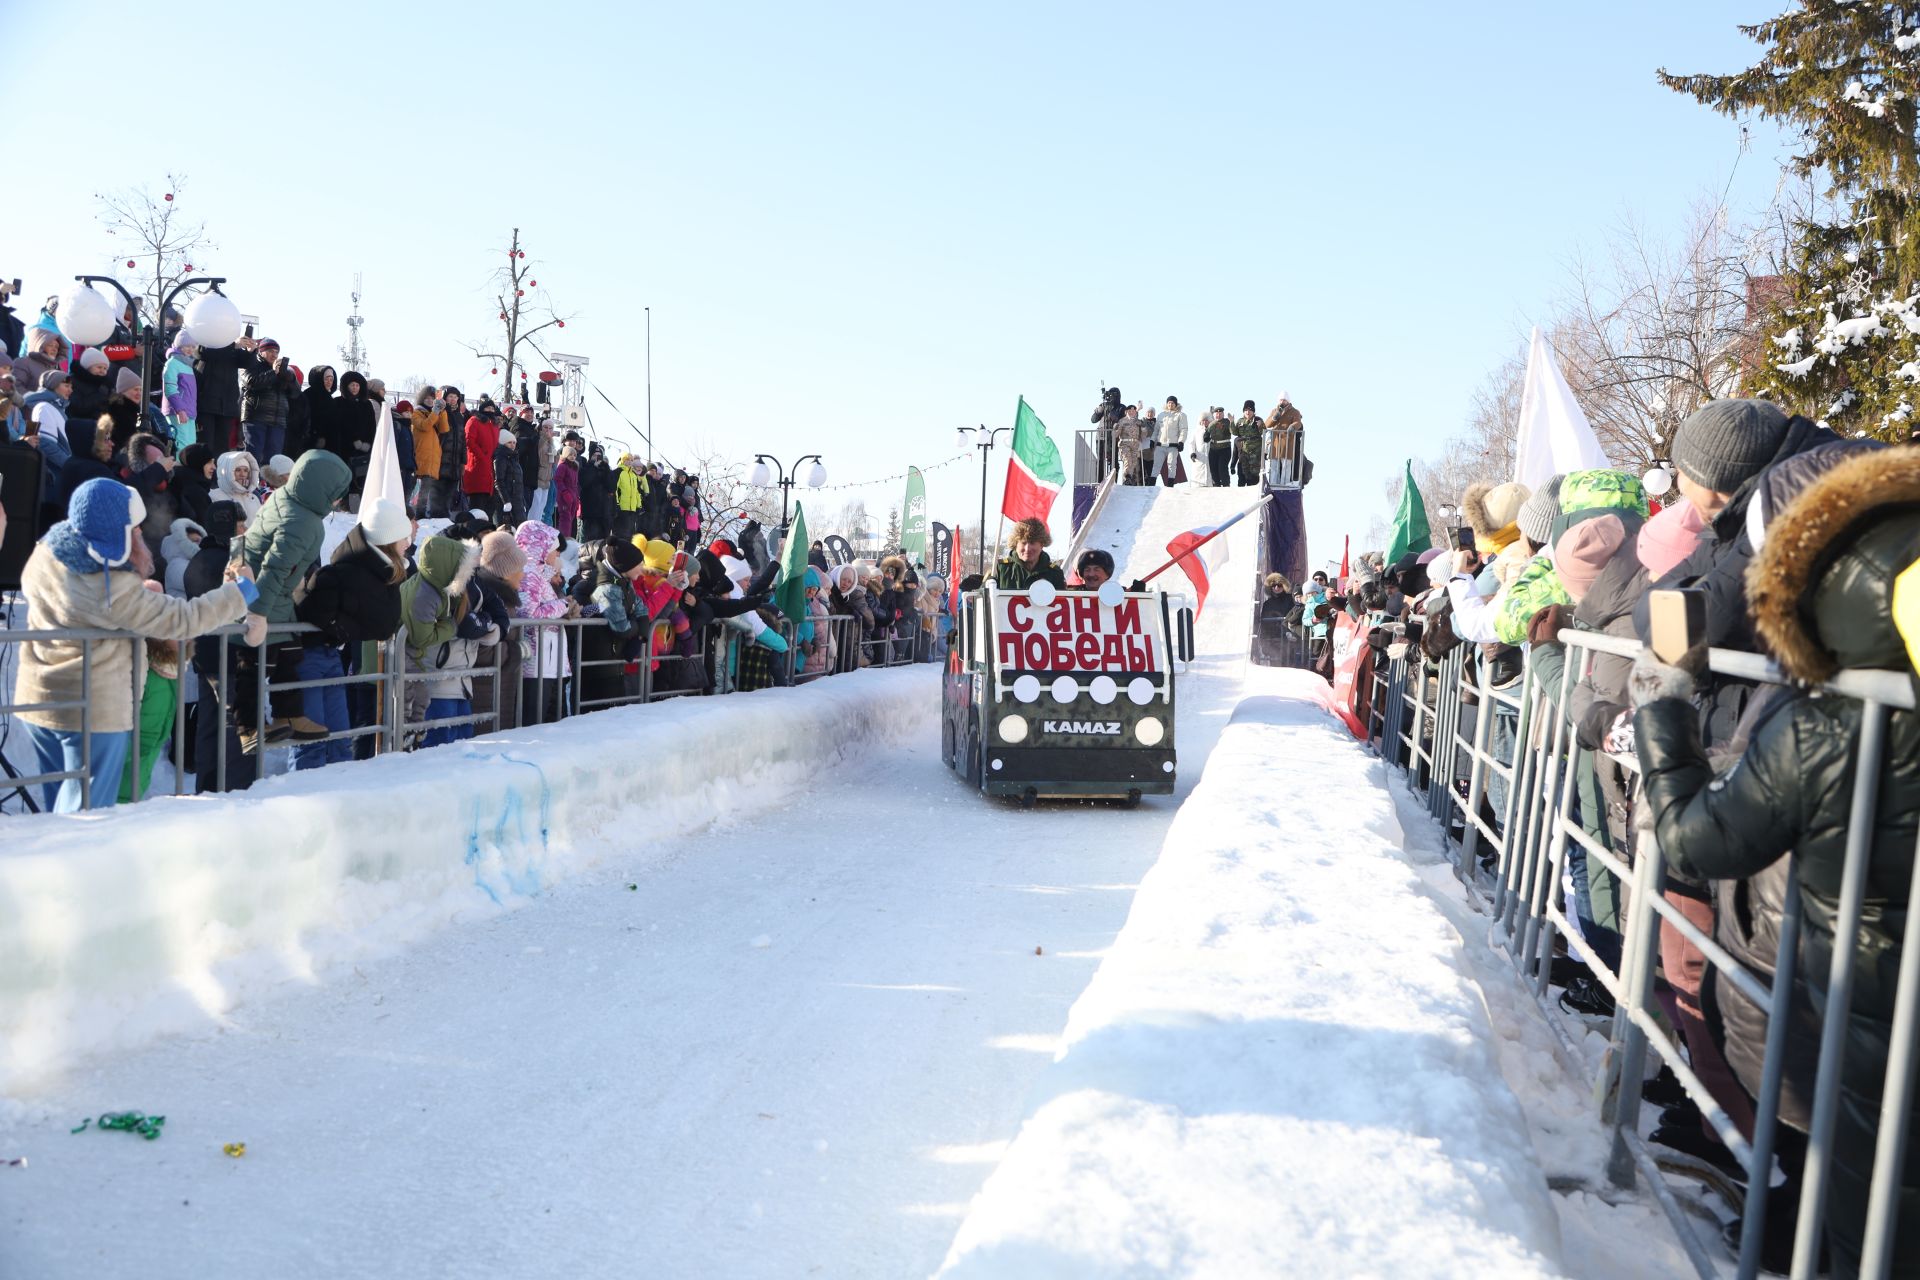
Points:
x=483 y=437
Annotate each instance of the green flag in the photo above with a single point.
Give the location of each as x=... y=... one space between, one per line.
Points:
x=1410 y=531
x=790 y=591
x=913 y=519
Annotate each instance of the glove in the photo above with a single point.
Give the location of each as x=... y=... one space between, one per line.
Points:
x=1619 y=740
x=1546 y=625
x=773 y=640
x=1465 y=564
x=1653 y=680
x=256 y=630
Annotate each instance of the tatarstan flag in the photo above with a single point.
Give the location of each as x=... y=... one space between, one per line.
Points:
x=1034 y=473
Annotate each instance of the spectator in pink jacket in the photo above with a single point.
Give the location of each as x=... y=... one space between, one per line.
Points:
x=545 y=668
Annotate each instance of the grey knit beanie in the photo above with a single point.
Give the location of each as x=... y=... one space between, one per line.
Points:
x=1538 y=512
x=1726 y=443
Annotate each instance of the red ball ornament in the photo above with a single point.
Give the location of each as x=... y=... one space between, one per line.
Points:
x=493 y=370
x=503 y=315
x=533 y=284
x=129 y=261
x=169 y=197
x=561 y=323
x=189 y=266
x=519 y=293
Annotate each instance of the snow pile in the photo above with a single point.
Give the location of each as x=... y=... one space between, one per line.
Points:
x=141 y=920
x=1281 y=1067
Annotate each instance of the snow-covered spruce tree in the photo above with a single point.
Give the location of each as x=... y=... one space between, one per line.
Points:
x=1842 y=343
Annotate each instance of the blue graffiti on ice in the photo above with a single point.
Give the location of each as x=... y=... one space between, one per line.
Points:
x=507 y=830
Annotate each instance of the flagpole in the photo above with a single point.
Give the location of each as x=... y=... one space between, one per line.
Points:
x=1209 y=538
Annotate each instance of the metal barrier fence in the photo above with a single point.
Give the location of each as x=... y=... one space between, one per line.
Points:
x=1501 y=766
x=537 y=672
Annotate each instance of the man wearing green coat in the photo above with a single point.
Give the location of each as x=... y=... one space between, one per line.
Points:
x=283 y=543
x=1026 y=562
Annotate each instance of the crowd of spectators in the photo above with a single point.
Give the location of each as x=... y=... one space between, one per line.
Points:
x=1143 y=446
x=238 y=494
x=1793 y=539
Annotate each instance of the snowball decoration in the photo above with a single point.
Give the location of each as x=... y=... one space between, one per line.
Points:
x=214 y=320
x=1064 y=689
x=1042 y=593
x=86 y=318
x=1103 y=689
x=1027 y=688
x=1140 y=691
x=1111 y=594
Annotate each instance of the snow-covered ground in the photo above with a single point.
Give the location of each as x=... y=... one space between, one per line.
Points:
x=754 y=1009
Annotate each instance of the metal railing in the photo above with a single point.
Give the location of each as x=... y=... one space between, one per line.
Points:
x=1513 y=856
x=539 y=670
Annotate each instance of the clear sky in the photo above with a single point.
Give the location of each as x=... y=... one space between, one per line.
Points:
x=861 y=226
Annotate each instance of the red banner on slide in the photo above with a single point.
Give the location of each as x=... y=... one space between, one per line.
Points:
x=1349 y=646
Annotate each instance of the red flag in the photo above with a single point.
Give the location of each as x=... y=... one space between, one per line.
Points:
x=1181 y=547
x=1345 y=546
x=953 y=579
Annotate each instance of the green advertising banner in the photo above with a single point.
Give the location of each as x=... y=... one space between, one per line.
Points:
x=913 y=519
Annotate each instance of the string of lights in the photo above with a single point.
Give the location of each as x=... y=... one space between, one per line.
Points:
x=893 y=479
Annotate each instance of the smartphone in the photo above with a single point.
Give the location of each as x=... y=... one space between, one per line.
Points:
x=1676 y=622
x=1463 y=539
x=249 y=332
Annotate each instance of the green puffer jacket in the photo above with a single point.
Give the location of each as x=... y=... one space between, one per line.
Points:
x=1013 y=575
x=285 y=541
x=1791 y=790
x=1537 y=587
x=434 y=599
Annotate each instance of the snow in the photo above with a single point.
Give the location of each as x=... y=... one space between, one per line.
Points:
x=143 y=920
x=1281 y=1067
x=684 y=990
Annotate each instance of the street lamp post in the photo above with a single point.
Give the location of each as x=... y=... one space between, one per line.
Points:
x=981 y=438
x=762 y=477
x=649 y=311
x=150 y=340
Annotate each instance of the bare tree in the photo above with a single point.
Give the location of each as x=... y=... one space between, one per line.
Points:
x=525 y=310
x=155 y=241
x=726 y=499
x=1658 y=330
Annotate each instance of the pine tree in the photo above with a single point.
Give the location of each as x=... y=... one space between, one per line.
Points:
x=893 y=529
x=1841 y=343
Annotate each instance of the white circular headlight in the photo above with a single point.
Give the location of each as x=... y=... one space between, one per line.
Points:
x=1027 y=688
x=1103 y=689
x=1064 y=689
x=1014 y=729
x=1149 y=730
x=1140 y=691
x=998 y=763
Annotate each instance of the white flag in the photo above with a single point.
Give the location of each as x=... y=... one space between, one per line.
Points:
x=383 y=465
x=1554 y=434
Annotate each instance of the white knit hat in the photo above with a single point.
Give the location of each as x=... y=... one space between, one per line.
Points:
x=385 y=522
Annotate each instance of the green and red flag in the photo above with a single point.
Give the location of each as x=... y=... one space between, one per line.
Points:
x=1034 y=473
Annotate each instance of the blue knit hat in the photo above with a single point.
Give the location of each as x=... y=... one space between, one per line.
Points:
x=105 y=512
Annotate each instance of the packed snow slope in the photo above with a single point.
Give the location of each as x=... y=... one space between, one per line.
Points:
x=1135 y=526
x=774 y=1008
x=158 y=917
x=1282 y=1067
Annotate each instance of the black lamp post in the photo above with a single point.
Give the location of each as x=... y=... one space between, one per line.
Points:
x=982 y=438
x=150 y=339
x=763 y=478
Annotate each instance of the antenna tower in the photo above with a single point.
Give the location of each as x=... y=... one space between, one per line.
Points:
x=354 y=353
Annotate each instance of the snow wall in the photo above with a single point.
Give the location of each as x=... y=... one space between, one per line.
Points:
x=147 y=919
x=1280 y=1067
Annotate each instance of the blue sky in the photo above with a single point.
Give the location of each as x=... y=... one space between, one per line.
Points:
x=860 y=226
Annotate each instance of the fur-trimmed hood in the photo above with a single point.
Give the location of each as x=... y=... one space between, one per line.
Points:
x=1492 y=512
x=1821 y=589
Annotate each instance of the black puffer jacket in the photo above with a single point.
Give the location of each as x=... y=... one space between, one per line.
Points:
x=354 y=598
x=219 y=383
x=263 y=401
x=321 y=411
x=355 y=422
x=1821 y=593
